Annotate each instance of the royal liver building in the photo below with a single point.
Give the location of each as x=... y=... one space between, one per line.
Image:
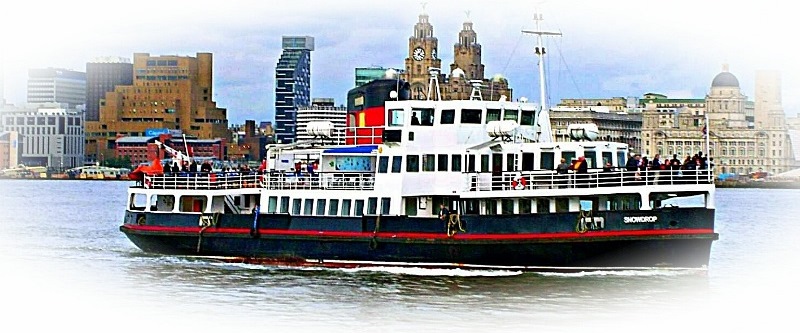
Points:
x=744 y=136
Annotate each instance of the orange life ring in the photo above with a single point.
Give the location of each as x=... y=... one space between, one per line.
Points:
x=519 y=183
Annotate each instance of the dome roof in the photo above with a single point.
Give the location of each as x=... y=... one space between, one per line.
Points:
x=458 y=72
x=725 y=79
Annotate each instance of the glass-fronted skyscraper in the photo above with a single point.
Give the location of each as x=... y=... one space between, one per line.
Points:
x=292 y=85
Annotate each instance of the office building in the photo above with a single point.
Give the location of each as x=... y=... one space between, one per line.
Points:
x=56 y=85
x=102 y=75
x=168 y=92
x=292 y=85
x=50 y=134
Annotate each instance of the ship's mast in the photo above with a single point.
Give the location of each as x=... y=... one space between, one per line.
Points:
x=544 y=117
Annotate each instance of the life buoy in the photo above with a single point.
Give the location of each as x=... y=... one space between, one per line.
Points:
x=519 y=182
x=141 y=220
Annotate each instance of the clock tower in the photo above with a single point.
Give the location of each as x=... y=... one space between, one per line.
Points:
x=422 y=55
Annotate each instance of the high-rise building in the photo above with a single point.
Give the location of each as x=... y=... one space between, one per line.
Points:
x=321 y=110
x=292 y=85
x=102 y=75
x=50 y=134
x=168 y=92
x=56 y=85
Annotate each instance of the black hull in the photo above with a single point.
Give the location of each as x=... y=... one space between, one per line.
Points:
x=682 y=239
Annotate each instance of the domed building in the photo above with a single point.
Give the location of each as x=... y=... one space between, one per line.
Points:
x=737 y=145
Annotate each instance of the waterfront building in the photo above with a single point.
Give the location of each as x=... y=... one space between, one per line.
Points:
x=143 y=149
x=10 y=155
x=617 y=126
x=172 y=92
x=292 y=85
x=248 y=143
x=102 y=75
x=56 y=85
x=366 y=75
x=50 y=134
x=466 y=68
x=676 y=127
x=320 y=110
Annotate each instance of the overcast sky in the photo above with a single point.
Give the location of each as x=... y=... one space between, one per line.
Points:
x=609 y=48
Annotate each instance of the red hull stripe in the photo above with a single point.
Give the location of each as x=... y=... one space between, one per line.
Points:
x=417 y=235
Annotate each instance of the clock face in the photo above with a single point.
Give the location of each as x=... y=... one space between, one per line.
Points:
x=418 y=54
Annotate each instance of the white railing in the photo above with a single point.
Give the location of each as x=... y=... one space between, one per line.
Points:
x=271 y=180
x=532 y=180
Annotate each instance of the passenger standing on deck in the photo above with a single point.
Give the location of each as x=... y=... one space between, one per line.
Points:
x=562 y=170
x=414 y=119
x=444 y=213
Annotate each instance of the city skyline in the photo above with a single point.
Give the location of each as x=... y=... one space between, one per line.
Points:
x=614 y=48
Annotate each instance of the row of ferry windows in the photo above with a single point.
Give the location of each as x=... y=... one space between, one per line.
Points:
x=445 y=162
x=425 y=116
x=329 y=207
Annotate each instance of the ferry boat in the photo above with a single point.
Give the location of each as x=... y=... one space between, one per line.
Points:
x=97 y=172
x=433 y=183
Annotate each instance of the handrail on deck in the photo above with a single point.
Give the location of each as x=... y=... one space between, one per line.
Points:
x=272 y=180
x=532 y=180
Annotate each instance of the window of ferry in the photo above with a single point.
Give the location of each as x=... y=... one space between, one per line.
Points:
x=296 y=206
x=372 y=206
x=524 y=206
x=412 y=163
x=543 y=206
x=471 y=206
x=411 y=206
x=397 y=163
x=562 y=205
x=346 y=207
x=448 y=117
x=527 y=118
x=492 y=114
x=484 y=163
x=441 y=160
x=383 y=164
x=621 y=158
x=591 y=157
x=469 y=116
x=568 y=156
x=333 y=207
x=284 y=205
x=548 y=161
x=321 y=206
x=359 y=208
x=272 y=205
x=193 y=203
x=606 y=158
x=138 y=201
x=507 y=206
x=385 y=202
x=396 y=117
x=308 y=207
x=428 y=162
x=491 y=207
x=456 y=163
x=162 y=203
x=470 y=163
x=511 y=115
x=425 y=116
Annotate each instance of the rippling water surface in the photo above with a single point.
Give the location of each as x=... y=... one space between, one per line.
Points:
x=65 y=264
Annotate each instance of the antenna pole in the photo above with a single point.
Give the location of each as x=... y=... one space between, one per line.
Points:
x=544 y=118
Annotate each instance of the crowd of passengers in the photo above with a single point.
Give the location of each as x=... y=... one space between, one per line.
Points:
x=641 y=170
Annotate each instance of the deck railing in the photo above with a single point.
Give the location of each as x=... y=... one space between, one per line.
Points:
x=271 y=180
x=531 y=180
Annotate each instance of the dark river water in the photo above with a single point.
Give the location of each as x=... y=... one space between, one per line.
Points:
x=66 y=265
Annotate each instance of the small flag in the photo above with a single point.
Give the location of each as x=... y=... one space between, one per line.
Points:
x=705 y=130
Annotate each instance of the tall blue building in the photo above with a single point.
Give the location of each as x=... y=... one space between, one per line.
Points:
x=292 y=85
